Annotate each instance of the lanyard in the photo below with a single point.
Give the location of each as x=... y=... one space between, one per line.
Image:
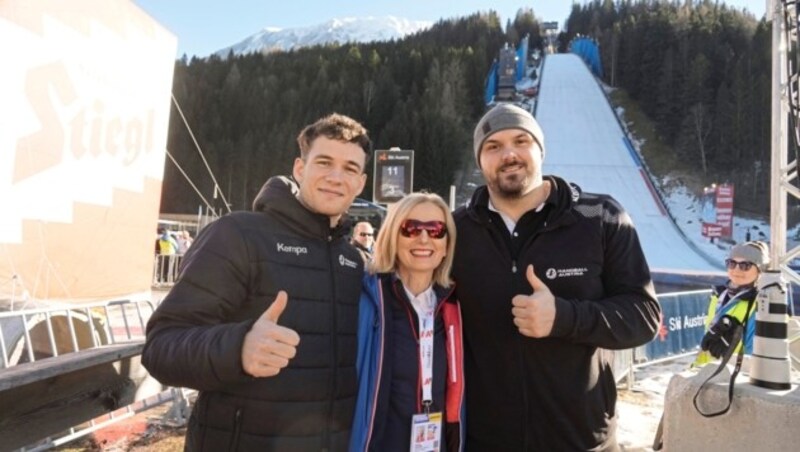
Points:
x=425 y=305
x=426 y=356
x=725 y=303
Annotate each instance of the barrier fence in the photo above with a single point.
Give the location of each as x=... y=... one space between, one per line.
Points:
x=32 y=334
x=165 y=269
x=44 y=340
x=680 y=331
x=681 y=327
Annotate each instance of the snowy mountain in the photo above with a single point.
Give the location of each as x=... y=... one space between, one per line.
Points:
x=351 y=29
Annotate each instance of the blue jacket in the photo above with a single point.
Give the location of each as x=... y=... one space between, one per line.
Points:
x=370 y=361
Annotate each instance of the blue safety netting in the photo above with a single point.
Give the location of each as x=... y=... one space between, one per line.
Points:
x=491 y=84
x=588 y=50
x=522 y=57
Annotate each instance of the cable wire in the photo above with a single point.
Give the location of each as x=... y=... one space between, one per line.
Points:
x=190 y=181
x=203 y=157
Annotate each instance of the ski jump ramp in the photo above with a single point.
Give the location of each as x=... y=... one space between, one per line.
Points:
x=585 y=144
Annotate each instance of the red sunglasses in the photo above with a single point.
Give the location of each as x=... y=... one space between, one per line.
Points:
x=413 y=228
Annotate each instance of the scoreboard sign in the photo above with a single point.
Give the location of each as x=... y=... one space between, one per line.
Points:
x=550 y=26
x=393 y=176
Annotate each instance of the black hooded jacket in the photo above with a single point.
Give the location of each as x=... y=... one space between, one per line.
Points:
x=230 y=276
x=555 y=393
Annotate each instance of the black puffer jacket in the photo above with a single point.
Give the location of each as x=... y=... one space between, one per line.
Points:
x=231 y=274
x=556 y=393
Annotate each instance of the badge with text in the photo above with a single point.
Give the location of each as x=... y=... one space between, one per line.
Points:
x=426 y=432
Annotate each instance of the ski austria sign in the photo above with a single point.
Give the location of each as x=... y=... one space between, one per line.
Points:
x=393 y=176
x=682 y=324
x=717 y=211
x=83 y=127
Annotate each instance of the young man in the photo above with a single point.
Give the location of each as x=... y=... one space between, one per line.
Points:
x=363 y=239
x=264 y=316
x=547 y=276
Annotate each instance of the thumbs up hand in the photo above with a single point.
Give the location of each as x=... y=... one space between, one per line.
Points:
x=268 y=347
x=534 y=314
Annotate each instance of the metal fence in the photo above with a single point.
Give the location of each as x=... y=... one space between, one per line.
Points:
x=32 y=334
x=680 y=330
x=29 y=335
x=165 y=269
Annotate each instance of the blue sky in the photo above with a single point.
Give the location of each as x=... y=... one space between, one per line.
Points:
x=205 y=26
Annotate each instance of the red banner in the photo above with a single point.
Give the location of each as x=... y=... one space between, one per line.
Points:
x=717 y=211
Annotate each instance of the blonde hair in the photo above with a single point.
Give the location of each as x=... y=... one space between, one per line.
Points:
x=384 y=255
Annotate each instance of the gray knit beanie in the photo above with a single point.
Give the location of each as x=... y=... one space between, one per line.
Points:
x=502 y=117
x=756 y=252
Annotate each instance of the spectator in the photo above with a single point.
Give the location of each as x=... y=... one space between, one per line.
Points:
x=363 y=238
x=547 y=277
x=184 y=241
x=167 y=245
x=263 y=319
x=167 y=249
x=409 y=337
x=733 y=304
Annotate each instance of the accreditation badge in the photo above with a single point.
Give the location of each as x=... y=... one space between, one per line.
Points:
x=426 y=432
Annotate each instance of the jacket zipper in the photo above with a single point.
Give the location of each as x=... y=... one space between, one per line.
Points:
x=237 y=428
x=404 y=302
x=381 y=332
x=523 y=377
x=547 y=226
x=416 y=336
x=521 y=342
x=334 y=358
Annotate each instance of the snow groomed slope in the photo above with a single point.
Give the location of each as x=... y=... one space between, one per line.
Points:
x=586 y=145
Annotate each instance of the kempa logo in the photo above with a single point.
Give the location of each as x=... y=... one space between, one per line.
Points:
x=297 y=250
x=345 y=262
x=553 y=273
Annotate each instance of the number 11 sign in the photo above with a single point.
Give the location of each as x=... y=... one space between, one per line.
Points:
x=393 y=176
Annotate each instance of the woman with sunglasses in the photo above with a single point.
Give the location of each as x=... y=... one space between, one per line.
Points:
x=409 y=361
x=730 y=305
x=734 y=302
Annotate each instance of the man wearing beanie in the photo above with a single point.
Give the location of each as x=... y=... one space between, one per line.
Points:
x=548 y=276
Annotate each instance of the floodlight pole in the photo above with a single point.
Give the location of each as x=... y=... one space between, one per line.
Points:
x=781 y=169
x=771 y=367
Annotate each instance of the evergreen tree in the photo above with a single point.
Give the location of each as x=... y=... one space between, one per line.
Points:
x=422 y=92
x=701 y=71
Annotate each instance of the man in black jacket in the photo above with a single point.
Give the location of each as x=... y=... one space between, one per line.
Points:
x=263 y=318
x=547 y=277
x=363 y=239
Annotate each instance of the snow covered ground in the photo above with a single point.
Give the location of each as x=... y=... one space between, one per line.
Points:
x=640 y=407
x=586 y=144
x=685 y=208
